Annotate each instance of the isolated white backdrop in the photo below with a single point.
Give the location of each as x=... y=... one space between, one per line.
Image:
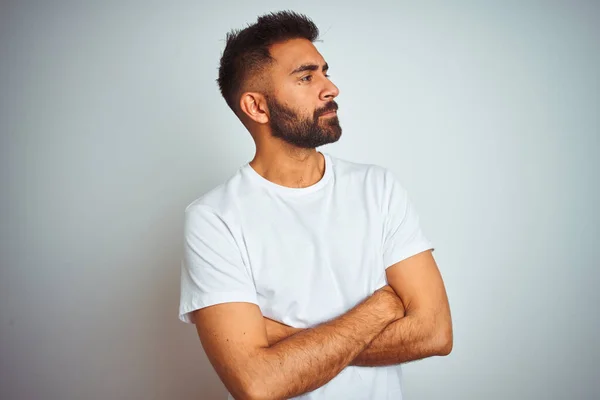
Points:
x=112 y=123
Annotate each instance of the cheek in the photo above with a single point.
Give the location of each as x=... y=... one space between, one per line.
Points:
x=301 y=101
x=303 y=111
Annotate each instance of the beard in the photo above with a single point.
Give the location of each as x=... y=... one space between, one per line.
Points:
x=304 y=132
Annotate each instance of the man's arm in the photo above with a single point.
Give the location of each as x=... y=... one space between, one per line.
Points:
x=424 y=331
x=235 y=340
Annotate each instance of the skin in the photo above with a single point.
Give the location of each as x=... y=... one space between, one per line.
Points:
x=257 y=358
x=424 y=331
x=235 y=340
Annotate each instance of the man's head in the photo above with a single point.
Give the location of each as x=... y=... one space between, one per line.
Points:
x=271 y=75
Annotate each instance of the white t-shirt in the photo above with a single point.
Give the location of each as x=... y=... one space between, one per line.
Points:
x=303 y=255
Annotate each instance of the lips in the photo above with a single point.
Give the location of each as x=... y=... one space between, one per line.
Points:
x=327 y=113
x=329 y=109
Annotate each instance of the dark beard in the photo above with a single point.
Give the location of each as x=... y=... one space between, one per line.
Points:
x=304 y=132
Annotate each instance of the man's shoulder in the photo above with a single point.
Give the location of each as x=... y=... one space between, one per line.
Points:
x=372 y=179
x=221 y=198
x=346 y=168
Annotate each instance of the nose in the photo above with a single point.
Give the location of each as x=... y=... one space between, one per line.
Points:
x=330 y=91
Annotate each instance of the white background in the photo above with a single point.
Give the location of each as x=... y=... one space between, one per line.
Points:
x=112 y=123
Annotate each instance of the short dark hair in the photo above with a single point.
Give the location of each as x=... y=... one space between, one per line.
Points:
x=246 y=51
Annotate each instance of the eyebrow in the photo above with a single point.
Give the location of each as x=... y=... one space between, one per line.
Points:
x=309 y=67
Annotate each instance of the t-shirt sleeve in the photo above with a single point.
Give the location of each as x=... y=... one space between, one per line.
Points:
x=403 y=237
x=212 y=269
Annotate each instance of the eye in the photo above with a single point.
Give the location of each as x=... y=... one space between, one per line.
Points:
x=306 y=78
x=327 y=75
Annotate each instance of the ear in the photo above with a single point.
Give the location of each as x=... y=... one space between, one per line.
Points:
x=254 y=105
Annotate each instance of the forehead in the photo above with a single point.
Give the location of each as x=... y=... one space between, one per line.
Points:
x=293 y=53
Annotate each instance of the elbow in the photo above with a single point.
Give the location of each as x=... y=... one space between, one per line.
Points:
x=445 y=341
x=252 y=385
x=242 y=387
x=253 y=391
x=445 y=348
x=247 y=394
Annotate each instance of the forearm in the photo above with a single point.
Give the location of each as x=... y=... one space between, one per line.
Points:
x=408 y=339
x=311 y=358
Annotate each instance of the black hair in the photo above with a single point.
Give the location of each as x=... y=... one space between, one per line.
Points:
x=246 y=52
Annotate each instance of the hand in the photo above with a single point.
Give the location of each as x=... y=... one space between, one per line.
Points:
x=277 y=331
x=391 y=301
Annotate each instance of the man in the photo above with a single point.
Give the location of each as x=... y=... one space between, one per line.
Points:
x=306 y=275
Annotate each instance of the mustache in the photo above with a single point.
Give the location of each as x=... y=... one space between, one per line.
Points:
x=331 y=106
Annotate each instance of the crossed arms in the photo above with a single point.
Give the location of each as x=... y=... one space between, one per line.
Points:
x=257 y=358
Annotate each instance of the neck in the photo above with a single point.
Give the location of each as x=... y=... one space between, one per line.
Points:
x=287 y=165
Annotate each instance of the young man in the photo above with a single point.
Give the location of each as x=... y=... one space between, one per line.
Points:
x=306 y=275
